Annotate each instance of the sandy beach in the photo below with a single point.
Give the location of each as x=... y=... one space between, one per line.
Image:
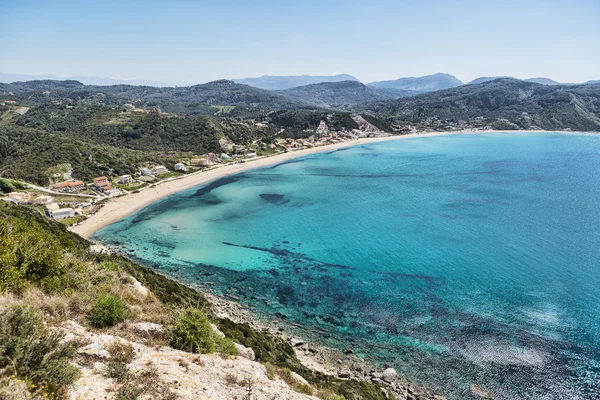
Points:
x=120 y=207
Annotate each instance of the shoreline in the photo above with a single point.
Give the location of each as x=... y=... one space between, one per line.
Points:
x=118 y=208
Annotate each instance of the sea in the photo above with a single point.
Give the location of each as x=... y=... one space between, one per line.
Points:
x=466 y=262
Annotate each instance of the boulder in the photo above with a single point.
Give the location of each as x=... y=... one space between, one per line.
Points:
x=138 y=287
x=217 y=331
x=148 y=328
x=296 y=342
x=299 y=379
x=344 y=374
x=245 y=352
x=389 y=375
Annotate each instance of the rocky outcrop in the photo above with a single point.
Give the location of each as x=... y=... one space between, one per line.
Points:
x=186 y=375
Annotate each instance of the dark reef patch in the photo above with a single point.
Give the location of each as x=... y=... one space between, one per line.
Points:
x=288 y=253
x=217 y=184
x=274 y=198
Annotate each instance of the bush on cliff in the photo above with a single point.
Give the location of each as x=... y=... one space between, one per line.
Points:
x=108 y=311
x=192 y=332
x=29 y=352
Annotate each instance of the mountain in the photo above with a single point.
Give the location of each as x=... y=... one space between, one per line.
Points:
x=286 y=82
x=87 y=80
x=593 y=82
x=503 y=103
x=337 y=94
x=483 y=79
x=542 y=81
x=421 y=84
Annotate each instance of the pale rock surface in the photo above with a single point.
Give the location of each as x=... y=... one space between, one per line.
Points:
x=245 y=352
x=148 y=328
x=190 y=376
x=141 y=289
x=389 y=375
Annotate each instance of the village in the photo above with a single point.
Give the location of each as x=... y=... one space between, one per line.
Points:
x=71 y=200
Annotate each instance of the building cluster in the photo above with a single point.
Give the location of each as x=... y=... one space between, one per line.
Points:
x=69 y=186
x=103 y=185
x=209 y=159
x=155 y=171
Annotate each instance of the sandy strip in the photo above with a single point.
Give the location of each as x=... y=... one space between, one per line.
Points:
x=120 y=207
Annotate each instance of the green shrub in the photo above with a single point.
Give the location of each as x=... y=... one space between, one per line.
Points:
x=108 y=311
x=192 y=332
x=29 y=352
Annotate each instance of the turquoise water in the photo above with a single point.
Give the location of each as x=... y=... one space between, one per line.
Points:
x=458 y=260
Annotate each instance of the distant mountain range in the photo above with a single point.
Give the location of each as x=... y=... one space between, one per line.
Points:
x=269 y=82
x=87 y=80
x=428 y=83
x=339 y=94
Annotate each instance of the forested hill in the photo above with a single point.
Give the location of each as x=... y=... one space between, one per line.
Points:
x=339 y=94
x=503 y=103
x=286 y=82
x=421 y=84
x=203 y=99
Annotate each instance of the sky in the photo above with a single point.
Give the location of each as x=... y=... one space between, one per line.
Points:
x=190 y=42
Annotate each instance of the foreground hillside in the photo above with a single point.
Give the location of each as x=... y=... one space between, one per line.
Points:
x=86 y=325
x=500 y=104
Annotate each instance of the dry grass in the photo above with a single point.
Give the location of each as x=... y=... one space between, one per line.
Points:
x=121 y=351
x=285 y=375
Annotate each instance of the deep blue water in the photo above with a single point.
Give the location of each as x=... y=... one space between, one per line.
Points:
x=458 y=260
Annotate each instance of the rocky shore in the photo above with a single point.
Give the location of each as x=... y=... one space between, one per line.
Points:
x=332 y=362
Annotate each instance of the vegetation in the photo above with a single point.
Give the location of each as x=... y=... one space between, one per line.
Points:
x=507 y=102
x=108 y=311
x=340 y=94
x=192 y=332
x=7 y=186
x=31 y=353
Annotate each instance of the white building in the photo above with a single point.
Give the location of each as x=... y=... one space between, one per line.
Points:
x=179 y=167
x=59 y=213
x=17 y=197
x=159 y=169
x=224 y=156
x=125 y=179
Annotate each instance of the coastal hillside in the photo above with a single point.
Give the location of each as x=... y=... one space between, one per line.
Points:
x=505 y=104
x=101 y=139
x=76 y=322
x=428 y=83
x=340 y=94
x=269 y=82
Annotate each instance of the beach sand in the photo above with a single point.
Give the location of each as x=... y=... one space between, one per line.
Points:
x=120 y=207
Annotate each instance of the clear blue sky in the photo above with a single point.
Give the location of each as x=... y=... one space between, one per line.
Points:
x=197 y=41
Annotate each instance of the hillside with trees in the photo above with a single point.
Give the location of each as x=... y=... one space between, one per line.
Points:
x=286 y=82
x=428 y=83
x=340 y=94
x=504 y=103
